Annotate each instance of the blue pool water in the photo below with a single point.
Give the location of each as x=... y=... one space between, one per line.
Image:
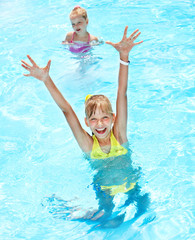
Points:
x=39 y=156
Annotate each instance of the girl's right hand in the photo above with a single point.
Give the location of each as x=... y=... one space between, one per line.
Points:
x=127 y=43
x=35 y=71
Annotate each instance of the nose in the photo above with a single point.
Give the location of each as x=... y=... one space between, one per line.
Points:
x=78 y=24
x=99 y=122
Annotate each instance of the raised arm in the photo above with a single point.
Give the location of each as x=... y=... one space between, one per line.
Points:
x=123 y=47
x=82 y=137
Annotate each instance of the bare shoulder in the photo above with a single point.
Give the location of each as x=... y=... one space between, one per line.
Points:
x=93 y=38
x=69 y=36
x=86 y=142
x=120 y=135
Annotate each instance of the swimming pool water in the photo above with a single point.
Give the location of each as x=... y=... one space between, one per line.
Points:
x=39 y=156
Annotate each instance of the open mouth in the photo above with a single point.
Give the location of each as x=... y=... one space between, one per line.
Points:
x=101 y=131
x=78 y=30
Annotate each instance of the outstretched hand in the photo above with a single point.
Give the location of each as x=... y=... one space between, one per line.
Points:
x=35 y=71
x=127 y=43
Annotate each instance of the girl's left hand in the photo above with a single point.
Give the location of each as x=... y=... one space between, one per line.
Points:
x=127 y=43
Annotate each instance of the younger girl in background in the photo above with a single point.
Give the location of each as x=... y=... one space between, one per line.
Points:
x=79 y=40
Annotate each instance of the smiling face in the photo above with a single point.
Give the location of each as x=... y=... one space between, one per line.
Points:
x=79 y=24
x=99 y=116
x=100 y=123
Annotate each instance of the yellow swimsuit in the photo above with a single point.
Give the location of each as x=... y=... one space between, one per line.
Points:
x=116 y=150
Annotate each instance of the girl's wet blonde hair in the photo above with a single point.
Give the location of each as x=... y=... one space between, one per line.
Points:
x=95 y=101
x=78 y=11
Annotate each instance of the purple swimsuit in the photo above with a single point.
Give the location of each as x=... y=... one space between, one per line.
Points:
x=79 y=47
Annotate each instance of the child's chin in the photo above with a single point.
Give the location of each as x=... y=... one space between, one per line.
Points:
x=101 y=135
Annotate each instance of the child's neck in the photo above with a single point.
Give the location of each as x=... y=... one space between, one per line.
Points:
x=105 y=144
x=83 y=37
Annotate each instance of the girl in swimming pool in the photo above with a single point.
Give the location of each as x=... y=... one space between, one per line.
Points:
x=79 y=40
x=109 y=136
